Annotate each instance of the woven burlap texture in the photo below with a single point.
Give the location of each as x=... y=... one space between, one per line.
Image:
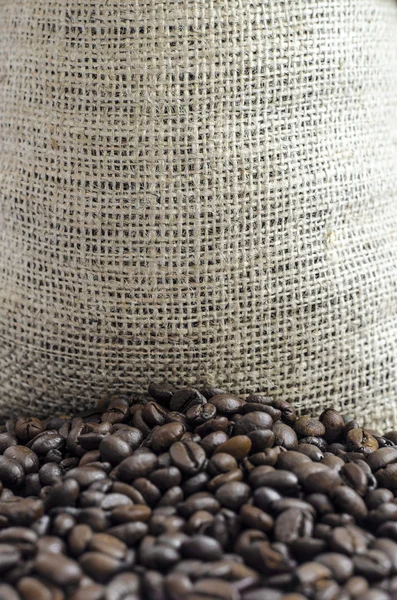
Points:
x=199 y=192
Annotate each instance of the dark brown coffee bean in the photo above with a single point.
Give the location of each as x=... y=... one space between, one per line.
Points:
x=292 y=524
x=6 y=441
x=200 y=413
x=161 y=392
x=385 y=512
x=85 y=476
x=58 y=569
x=50 y=473
x=269 y=457
x=333 y=423
x=138 y=465
x=355 y=478
x=201 y=547
x=154 y=414
x=360 y=440
x=252 y=422
x=283 y=504
x=22 y=512
x=379 y=459
x=149 y=491
x=308 y=548
x=221 y=463
x=100 y=567
x=217 y=424
x=232 y=495
x=185 y=398
x=348 y=500
x=166 y=435
x=195 y=484
x=226 y=404
x=375 y=498
x=322 y=481
x=291 y=459
x=26 y=428
x=285 y=436
x=356 y=586
x=212 y=441
x=264 y=497
x=11 y=471
x=24 y=456
x=348 y=540
x=10 y=556
x=307 y=426
x=42 y=443
x=189 y=457
x=310 y=451
x=321 y=503
x=199 y=501
x=340 y=565
x=283 y=481
x=372 y=564
x=261 y=439
x=238 y=446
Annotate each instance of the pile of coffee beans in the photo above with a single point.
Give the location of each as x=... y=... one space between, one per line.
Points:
x=197 y=495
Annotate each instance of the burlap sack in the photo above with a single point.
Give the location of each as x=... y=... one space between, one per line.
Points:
x=199 y=191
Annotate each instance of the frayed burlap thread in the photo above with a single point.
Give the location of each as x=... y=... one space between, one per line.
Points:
x=199 y=191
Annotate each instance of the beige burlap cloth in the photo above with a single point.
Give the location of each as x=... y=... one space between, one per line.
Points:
x=199 y=191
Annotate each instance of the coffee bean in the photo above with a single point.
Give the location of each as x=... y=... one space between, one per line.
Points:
x=201 y=547
x=285 y=436
x=26 y=428
x=11 y=471
x=212 y=441
x=307 y=426
x=292 y=524
x=232 y=495
x=138 y=465
x=238 y=446
x=373 y=564
x=311 y=451
x=252 y=422
x=161 y=392
x=227 y=404
x=58 y=569
x=24 y=456
x=359 y=440
x=348 y=500
x=348 y=540
x=166 y=435
x=291 y=459
x=185 y=398
x=283 y=481
x=189 y=457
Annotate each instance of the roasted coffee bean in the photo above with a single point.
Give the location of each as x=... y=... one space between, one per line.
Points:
x=161 y=392
x=58 y=569
x=348 y=540
x=359 y=440
x=138 y=465
x=333 y=423
x=323 y=482
x=311 y=451
x=348 y=500
x=201 y=547
x=285 y=436
x=252 y=422
x=292 y=524
x=291 y=459
x=26 y=428
x=24 y=456
x=189 y=457
x=11 y=471
x=232 y=495
x=261 y=439
x=307 y=426
x=373 y=564
x=226 y=404
x=354 y=477
x=185 y=398
x=238 y=446
x=166 y=435
x=283 y=481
